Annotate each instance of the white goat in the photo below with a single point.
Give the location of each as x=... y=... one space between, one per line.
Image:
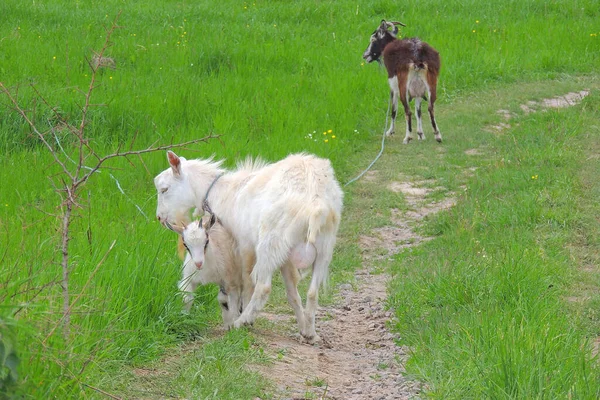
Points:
x=271 y=210
x=211 y=258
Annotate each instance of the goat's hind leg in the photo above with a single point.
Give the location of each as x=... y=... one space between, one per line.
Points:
x=418 y=101
x=291 y=277
x=324 y=247
x=432 y=82
x=407 y=113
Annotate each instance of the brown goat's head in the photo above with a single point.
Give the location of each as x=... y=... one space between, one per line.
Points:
x=380 y=38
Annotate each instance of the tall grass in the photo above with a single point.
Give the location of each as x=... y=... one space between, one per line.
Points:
x=271 y=77
x=484 y=305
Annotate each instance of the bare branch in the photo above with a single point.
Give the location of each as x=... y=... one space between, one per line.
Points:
x=107 y=157
x=68 y=311
x=32 y=125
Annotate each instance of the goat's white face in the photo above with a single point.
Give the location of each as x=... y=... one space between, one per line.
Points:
x=175 y=195
x=196 y=239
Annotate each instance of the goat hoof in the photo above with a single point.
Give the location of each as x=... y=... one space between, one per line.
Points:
x=439 y=139
x=312 y=339
x=238 y=323
x=421 y=136
x=407 y=140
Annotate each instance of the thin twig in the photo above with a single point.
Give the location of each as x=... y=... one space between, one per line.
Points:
x=81 y=293
x=107 y=157
x=112 y=396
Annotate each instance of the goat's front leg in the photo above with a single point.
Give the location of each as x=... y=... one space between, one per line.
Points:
x=394 y=101
x=248 y=261
x=188 y=284
x=268 y=253
x=262 y=290
x=223 y=300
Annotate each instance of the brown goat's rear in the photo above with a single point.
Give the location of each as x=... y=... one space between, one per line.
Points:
x=413 y=67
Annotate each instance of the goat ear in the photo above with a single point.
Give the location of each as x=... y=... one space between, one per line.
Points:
x=174 y=162
x=208 y=222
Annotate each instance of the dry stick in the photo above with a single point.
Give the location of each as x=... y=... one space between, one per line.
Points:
x=66 y=222
x=101 y=391
x=70 y=307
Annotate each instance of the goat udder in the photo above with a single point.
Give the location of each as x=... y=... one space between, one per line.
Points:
x=303 y=255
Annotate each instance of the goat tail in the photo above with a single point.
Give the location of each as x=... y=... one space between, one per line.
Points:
x=317 y=219
x=322 y=229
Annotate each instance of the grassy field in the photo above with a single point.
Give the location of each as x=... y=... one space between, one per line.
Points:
x=271 y=78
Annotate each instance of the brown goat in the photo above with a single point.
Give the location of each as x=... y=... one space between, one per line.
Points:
x=413 y=67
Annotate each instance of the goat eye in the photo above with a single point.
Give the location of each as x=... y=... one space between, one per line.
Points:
x=164 y=190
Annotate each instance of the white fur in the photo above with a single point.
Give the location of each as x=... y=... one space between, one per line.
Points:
x=393 y=82
x=219 y=263
x=269 y=209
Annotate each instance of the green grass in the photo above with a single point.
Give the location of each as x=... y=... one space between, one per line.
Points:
x=265 y=75
x=483 y=306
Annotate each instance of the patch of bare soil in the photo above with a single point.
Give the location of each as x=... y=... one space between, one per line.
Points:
x=566 y=100
x=371 y=175
x=359 y=357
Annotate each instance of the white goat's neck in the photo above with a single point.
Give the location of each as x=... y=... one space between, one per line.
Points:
x=223 y=195
x=201 y=174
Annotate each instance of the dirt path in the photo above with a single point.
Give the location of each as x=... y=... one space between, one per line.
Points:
x=359 y=358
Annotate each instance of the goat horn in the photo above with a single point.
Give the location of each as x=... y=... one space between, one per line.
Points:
x=174 y=228
x=397 y=23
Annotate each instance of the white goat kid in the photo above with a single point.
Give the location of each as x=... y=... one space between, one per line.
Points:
x=275 y=213
x=211 y=258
